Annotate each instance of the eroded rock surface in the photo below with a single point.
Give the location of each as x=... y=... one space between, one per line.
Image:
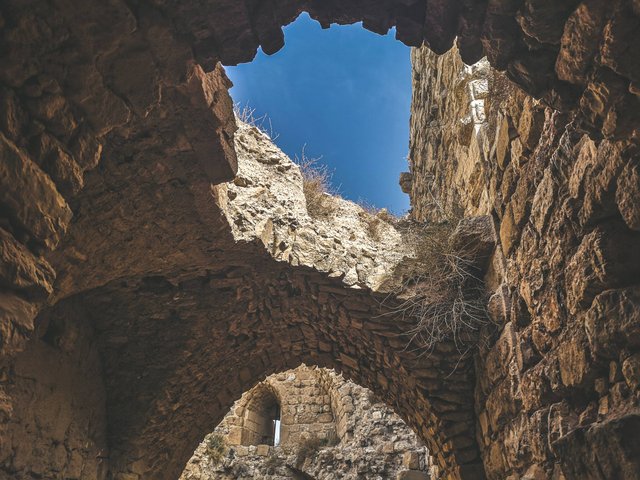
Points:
x=119 y=269
x=267 y=201
x=357 y=436
x=551 y=381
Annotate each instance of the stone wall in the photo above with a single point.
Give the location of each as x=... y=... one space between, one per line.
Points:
x=372 y=442
x=115 y=123
x=304 y=405
x=557 y=393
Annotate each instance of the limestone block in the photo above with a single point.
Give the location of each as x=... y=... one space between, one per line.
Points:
x=16 y=322
x=406 y=180
x=411 y=460
x=605 y=450
x=262 y=450
x=535 y=472
x=631 y=371
x=628 y=195
x=575 y=366
x=606 y=258
x=530 y=124
x=412 y=475
x=580 y=40
x=22 y=270
x=613 y=322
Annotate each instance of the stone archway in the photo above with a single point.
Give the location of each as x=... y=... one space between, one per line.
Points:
x=337 y=430
x=259 y=415
x=243 y=314
x=112 y=138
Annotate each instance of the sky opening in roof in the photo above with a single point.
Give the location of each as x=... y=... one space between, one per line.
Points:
x=345 y=93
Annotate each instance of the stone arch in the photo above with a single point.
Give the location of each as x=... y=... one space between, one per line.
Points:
x=145 y=244
x=259 y=414
x=414 y=388
x=297 y=419
x=244 y=313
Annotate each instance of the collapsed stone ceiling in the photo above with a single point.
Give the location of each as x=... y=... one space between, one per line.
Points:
x=112 y=135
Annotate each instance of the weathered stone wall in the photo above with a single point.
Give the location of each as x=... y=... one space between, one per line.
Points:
x=305 y=408
x=375 y=444
x=112 y=133
x=557 y=393
x=57 y=428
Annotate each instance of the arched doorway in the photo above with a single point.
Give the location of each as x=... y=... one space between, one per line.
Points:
x=261 y=418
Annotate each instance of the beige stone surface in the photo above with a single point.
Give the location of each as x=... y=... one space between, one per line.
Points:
x=360 y=437
x=116 y=111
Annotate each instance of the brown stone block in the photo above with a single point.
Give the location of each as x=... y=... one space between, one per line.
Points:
x=631 y=371
x=606 y=258
x=21 y=270
x=613 y=322
x=580 y=40
x=575 y=363
x=604 y=450
x=628 y=194
x=31 y=197
x=16 y=323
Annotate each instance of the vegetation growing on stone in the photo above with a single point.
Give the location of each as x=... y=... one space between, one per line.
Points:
x=316 y=183
x=310 y=446
x=247 y=114
x=215 y=447
x=375 y=218
x=442 y=293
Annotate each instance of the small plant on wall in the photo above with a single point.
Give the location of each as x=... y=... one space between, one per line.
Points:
x=316 y=184
x=442 y=292
x=215 y=448
x=309 y=446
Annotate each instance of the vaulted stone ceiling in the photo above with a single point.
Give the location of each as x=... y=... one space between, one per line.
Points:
x=120 y=277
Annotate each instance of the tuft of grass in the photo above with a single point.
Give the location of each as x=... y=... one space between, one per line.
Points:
x=309 y=446
x=441 y=292
x=316 y=184
x=215 y=447
x=247 y=114
x=375 y=219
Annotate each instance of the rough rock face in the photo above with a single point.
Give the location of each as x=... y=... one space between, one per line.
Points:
x=448 y=135
x=216 y=300
x=118 y=269
x=365 y=439
x=266 y=201
x=553 y=399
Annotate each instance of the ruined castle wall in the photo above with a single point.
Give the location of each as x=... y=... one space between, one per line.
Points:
x=107 y=112
x=57 y=428
x=557 y=379
x=378 y=445
x=305 y=409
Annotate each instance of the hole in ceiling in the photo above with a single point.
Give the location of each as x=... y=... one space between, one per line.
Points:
x=343 y=95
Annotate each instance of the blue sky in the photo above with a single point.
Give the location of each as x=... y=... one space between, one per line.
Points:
x=344 y=92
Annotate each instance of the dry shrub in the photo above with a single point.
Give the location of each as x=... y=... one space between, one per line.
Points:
x=441 y=292
x=215 y=447
x=310 y=446
x=375 y=218
x=247 y=114
x=316 y=184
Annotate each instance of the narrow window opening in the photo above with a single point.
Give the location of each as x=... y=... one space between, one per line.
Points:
x=276 y=428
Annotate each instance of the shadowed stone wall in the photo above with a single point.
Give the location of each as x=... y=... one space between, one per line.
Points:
x=374 y=444
x=557 y=393
x=116 y=122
